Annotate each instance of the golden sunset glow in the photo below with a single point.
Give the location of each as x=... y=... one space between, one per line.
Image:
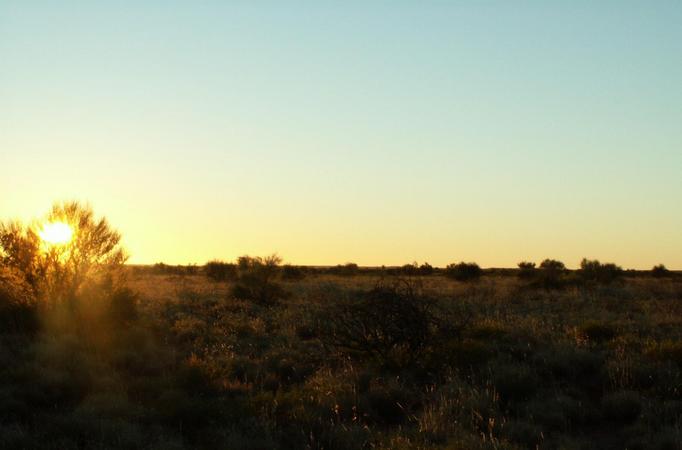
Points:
x=56 y=233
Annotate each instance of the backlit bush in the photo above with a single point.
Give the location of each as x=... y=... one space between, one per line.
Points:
x=463 y=271
x=256 y=280
x=526 y=270
x=660 y=271
x=596 y=272
x=220 y=271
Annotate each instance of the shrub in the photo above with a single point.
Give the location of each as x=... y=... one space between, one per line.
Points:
x=410 y=269
x=463 y=271
x=526 y=269
x=220 y=270
x=552 y=264
x=550 y=274
x=256 y=280
x=347 y=270
x=660 y=271
x=594 y=271
x=426 y=269
x=94 y=254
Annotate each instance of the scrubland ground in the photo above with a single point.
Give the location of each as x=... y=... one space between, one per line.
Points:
x=350 y=362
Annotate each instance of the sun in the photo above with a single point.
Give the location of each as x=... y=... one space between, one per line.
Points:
x=56 y=233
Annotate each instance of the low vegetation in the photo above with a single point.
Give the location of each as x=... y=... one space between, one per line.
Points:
x=259 y=355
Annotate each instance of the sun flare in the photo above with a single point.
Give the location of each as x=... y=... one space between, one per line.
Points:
x=56 y=233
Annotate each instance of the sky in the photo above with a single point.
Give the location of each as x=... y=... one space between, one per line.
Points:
x=379 y=132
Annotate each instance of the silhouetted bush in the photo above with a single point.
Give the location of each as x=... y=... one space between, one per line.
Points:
x=526 y=270
x=220 y=271
x=409 y=269
x=463 y=271
x=596 y=272
x=256 y=280
x=346 y=270
x=660 y=271
x=550 y=275
x=426 y=269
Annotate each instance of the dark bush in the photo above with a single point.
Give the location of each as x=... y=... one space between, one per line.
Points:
x=526 y=270
x=256 y=280
x=463 y=271
x=426 y=269
x=347 y=270
x=660 y=271
x=220 y=270
x=410 y=269
x=552 y=264
x=596 y=272
x=550 y=275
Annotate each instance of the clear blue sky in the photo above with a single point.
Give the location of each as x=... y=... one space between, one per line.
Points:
x=374 y=132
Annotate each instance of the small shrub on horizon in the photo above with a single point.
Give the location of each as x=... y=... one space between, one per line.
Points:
x=220 y=271
x=410 y=269
x=660 y=271
x=550 y=275
x=256 y=280
x=426 y=269
x=594 y=271
x=526 y=269
x=463 y=271
x=348 y=269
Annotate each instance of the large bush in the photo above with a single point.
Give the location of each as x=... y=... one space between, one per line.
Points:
x=58 y=272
